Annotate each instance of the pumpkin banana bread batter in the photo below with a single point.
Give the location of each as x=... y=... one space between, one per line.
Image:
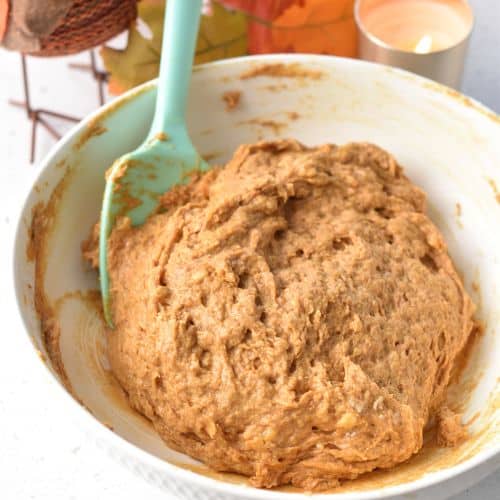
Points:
x=293 y=316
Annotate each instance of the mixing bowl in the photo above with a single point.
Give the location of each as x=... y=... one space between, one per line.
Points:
x=448 y=144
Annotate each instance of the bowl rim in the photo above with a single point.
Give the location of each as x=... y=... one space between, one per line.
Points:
x=102 y=434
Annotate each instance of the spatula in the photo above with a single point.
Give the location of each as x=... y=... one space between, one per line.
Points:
x=137 y=179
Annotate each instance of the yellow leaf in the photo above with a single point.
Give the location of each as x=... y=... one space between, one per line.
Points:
x=222 y=34
x=140 y=60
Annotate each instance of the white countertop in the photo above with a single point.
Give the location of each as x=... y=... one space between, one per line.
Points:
x=42 y=455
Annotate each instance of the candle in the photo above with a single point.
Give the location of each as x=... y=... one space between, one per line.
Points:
x=429 y=37
x=420 y=26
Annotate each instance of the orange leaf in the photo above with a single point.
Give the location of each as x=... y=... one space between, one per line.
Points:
x=316 y=26
x=261 y=14
x=4 y=16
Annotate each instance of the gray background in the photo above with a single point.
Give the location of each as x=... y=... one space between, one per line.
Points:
x=482 y=72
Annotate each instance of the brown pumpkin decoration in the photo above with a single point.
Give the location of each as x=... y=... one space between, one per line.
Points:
x=62 y=27
x=87 y=24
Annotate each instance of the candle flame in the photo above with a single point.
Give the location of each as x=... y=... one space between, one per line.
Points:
x=424 y=45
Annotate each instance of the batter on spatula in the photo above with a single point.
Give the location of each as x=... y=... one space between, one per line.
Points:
x=293 y=316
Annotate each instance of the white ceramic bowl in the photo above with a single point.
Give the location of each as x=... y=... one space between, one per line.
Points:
x=448 y=145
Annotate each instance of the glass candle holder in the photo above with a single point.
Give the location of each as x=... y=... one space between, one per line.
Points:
x=428 y=37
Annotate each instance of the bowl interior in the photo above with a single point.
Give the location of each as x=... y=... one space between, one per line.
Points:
x=447 y=145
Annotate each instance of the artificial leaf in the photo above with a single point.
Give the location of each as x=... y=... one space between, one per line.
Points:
x=261 y=15
x=140 y=60
x=246 y=6
x=4 y=16
x=223 y=33
x=266 y=10
x=316 y=26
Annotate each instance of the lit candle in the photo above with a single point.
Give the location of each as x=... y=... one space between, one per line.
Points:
x=429 y=37
x=425 y=44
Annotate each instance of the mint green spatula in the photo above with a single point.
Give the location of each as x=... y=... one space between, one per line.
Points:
x=137 y=179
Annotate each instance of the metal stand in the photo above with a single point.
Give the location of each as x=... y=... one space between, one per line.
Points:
x=100 y=76
x=39 y=115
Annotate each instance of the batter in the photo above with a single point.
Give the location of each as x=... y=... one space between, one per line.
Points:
x=293 y=316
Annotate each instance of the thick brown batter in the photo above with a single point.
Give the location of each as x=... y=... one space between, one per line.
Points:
x=293 y=316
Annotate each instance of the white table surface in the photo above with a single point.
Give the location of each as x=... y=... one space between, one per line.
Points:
x=42 y=455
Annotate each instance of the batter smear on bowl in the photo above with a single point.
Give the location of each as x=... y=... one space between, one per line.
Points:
x=293 y=316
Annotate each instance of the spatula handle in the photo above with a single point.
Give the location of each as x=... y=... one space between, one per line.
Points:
x=182 y=20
